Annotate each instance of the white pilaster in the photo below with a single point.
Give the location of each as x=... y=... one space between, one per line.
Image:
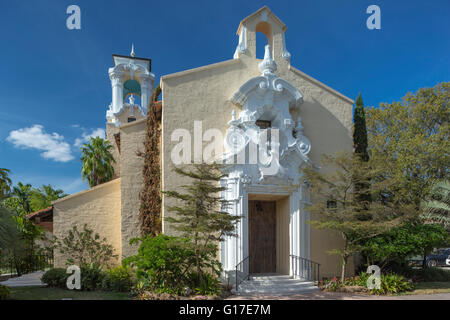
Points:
x=117 y=91
x=146 y=88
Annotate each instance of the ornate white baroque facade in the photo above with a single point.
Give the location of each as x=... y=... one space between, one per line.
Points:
x=274 y=169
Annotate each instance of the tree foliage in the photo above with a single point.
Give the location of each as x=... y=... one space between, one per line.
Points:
x=85 y=248
x=22 y=192
x=5 y=183
x=97 y=161
x=395 y=245
x=436 y=207
x=413 y=137
x=335 y=208
x=360 y=131
x=202 y=218
x=42 y=197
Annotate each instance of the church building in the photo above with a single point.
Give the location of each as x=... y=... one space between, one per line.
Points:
x=241 y=99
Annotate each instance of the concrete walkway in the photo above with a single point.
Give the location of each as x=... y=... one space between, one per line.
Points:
x=342 y=296
x=27 y=280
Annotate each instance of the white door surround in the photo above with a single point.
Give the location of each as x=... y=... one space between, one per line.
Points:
x=266 y=97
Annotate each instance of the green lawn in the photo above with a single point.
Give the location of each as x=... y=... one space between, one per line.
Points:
x=430 y=288
x=38 y=293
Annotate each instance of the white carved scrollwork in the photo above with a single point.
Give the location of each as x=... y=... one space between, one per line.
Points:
x=268 y=97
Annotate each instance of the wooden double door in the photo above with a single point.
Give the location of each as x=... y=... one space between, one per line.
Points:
x=262 y=237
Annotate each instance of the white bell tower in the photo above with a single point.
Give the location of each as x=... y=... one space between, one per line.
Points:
x=129 y=76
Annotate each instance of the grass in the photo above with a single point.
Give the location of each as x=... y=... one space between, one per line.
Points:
x=40 y=293
x=430 y=288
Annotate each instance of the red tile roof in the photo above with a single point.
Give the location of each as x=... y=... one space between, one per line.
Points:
x=40 y=212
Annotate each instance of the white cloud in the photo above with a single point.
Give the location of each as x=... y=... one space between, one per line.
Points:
x=99 y=132
x=35 y=137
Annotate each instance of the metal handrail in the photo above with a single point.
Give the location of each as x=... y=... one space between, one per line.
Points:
x=305 y=268
x=245 y=271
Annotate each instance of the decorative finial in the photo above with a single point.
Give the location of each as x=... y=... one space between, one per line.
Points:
x=267 y=65
x=132 y=51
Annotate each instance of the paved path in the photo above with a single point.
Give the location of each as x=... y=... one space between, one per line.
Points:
x=27 y=280
x=343 y=296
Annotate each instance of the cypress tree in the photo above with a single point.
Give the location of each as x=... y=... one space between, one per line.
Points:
x=360 y=130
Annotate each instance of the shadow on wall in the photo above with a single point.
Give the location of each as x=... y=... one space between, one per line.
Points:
x=327 y=135
x=326 y=132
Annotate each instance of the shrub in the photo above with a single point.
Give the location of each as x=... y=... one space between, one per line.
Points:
x=118 y=279
x=5 y=293
x=208 y=285
x=429 y=275
x=391 y=283
x=331 y=285
x=56 y=278
x=162 y=263
x=85 y=248
x=91 y=278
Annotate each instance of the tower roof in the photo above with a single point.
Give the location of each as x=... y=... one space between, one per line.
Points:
x=144 y=62
x=258 y=12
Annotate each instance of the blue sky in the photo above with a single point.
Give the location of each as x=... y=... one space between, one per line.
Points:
x=55 y=89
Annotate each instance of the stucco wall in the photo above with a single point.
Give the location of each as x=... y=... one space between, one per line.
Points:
x=98 y=207
x=112 y=129
x=131 y=141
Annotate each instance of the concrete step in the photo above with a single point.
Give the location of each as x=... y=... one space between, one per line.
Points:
x=279 y=282
x=275 y=285
x=270 y=277
x=268 y=283
x=276 y=290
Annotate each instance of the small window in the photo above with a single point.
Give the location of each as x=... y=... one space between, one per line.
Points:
x=131 y=119
x=331 y=204
x=263 y=124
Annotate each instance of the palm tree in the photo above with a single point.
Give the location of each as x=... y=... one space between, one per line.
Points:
x=97 y=161
x=42 y=198
x=437 y=207
x=23 y=193
x=5 y=183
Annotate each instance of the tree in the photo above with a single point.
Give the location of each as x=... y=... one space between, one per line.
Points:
x=9 y=234
x=360 y=131
x=412 y=136
x=5 y=183
x=22 y=192
x=411 y=238
x=42 y=198
x=19 y=234
x=436 y=208
x=203 y=218
x=150 y=195
x=360 y=144
x=97 y=161
x=335 y=207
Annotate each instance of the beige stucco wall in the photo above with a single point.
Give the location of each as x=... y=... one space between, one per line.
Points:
x=204 y=93
x=112 y=129
x=131 y=142
x=98 y=207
